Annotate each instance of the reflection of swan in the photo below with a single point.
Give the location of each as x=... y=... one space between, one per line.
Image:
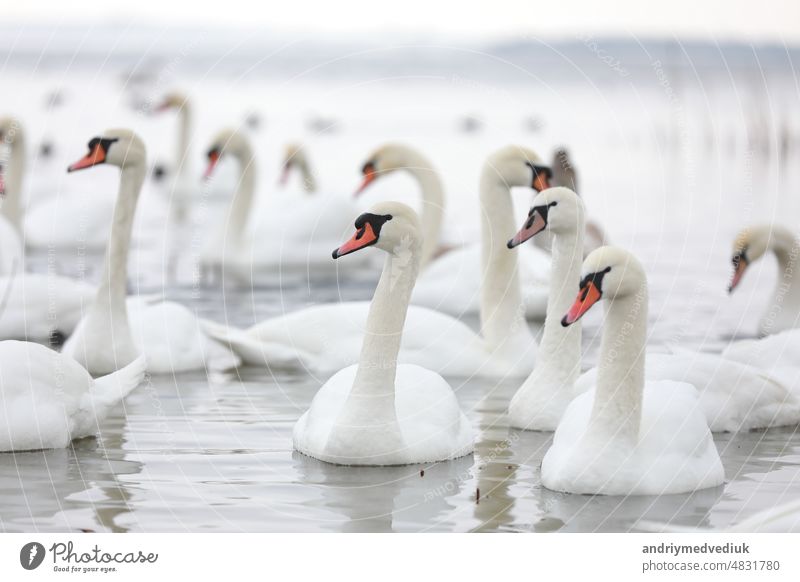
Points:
x=626 y=437
x=753 y=243
x=376 y=412
x=409 y=498
x=106 y=339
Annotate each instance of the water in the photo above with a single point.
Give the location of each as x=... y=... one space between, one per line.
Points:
x=212 y=452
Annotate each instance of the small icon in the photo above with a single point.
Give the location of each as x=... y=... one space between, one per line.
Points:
x=31 y=555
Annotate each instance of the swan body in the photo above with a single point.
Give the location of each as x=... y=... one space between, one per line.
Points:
x=47 y=399
x=783 y=311
x=378 y=412
x=108 y=338
x=627 y=436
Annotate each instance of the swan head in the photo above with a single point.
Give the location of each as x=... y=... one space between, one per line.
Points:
x=10 y=130
x=517 y=166
x=227 y=142
x=387 y=159
x=749 y=245
x=118 y=147
x=559 y=210
x=294 y=156
x=173 y=100
x=389 y=226
x=608 y=272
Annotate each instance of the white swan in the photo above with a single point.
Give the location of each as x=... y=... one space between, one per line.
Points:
x=326 y=338
x=378 y=412
x=287 y=235
x=11 y=172
x=783 y=312
x=47 y=399
x=39 y=306
x=542 y=399
x=455 y=282
x=109 y=337
x=628 y=437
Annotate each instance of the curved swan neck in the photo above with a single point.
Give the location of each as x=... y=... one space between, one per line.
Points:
x=560 y=347
x=502 y=309
x=11 y=206
x=184 y=139
x=786 y=248
x=617 y=406
x=309 y=183
x=239 y=209
x=433 y=203
x=377 y=365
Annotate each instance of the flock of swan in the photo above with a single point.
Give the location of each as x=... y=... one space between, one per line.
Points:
x=637 y=424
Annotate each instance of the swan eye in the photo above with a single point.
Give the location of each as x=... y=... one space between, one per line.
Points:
x=360 y=233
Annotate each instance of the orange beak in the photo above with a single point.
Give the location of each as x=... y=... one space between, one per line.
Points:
x=94 y=157
x=587 y=296
x=364 y=237
x=533 y=226
x=287 y=168
x=213 y=160
x=540 y=182
x=163 y=106
x=369 y=176
x=740 y=265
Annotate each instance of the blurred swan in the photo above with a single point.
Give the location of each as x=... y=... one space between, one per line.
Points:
x=326 y=338
x=11 y=174
x=114 y=332
x=628 y=436
x=47 y=399
x=377 y=412
x=286 y=234
x=783 y=311
x=463 y=281
x=39 y=307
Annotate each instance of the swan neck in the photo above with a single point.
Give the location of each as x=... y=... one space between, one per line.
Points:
x=309 y=183
x=184 y=140
x=11 y=206
x=241 y=205
x=787 y=251
x=377 y=365
x=433 y=203
x=502 y=310
x=561 y=345
x=617 y=409
x=112 y=291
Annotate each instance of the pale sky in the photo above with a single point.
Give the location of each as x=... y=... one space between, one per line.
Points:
x=771 y=20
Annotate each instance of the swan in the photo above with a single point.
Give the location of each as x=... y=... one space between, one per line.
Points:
x=751 y=244
x=739 y=390
x=457 y=281
x=628 y=436
x=40 y=307
x=377 y=412
x=295 y=158
x=48 y=399
x=285 y=235
x=542 y=399
x=11 y=195
x=394 y=157
x=114 y=332
x=326 y=338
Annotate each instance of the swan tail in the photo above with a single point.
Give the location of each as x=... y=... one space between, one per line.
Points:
x=256 y=352
x=107 y=392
